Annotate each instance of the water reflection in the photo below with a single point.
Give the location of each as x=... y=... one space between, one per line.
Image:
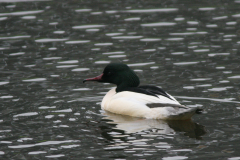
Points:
x=134 y=125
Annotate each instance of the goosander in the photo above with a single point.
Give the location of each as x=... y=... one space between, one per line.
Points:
x=145 y=101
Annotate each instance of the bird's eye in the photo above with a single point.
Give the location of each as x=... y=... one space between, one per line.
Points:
x=109 y=73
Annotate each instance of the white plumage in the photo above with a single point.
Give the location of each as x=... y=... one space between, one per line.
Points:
x=135 y=104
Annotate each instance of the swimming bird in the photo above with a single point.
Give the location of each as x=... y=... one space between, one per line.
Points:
x=146 y=101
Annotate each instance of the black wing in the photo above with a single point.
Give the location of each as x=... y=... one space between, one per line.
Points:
x=155 y=90
x=148 y=90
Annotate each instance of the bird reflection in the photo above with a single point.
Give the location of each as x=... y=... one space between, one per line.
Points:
x=133 y=125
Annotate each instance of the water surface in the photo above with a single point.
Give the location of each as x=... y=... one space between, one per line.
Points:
x=189 y=48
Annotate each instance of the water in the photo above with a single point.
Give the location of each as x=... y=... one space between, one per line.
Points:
x=189 y=48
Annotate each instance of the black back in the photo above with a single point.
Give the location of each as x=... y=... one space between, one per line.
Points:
x=148 y=90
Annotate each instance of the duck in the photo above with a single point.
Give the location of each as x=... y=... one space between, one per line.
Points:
x=135 y=100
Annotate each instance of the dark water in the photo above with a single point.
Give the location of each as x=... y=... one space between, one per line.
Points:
x=189 y=48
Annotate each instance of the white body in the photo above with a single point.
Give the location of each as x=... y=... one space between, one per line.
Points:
x=135 y=105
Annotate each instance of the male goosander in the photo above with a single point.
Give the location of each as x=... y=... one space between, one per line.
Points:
x=146 y=101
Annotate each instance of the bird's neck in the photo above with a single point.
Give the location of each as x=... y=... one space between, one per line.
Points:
x=124 y=86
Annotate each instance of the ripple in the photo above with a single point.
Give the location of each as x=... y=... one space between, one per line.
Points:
x=63 y=110
x=88 y=26
x=133 y=19
x=111 y=12
x=200 y=79
x=26 y=114
x=224 y=81
x=192 y=22
x=182 y=34
x=158 y=24
x=113 y=34
x=36 y=152
x=82 y=89
x=24 y=139
x=55 y=75
x=67 y=62
x=21 y=13
x=141 y=64
x=53 y=23
x=204 y=85
x=220 y=18
x=179 y=19
x=43 y=144
x=58 y=32
x=185 y=63
x=6 y=97
x=46 y=107
x=70 y=146
x=10 y=6
x=117 y=52
x=117 y=56
x=55 y=156
x=191 y=29
x=174 y=39
x=103 y=44
x=77 y=41
x=49 y=116
x=206 y=9
x=154 y=67
x=96 y=13
x=201 y=50
x=222 y=67
x=182 y=150
x=189 y=87
x=3 y=83
x=15 y=37
x=83 y=10
x=1 y=131
x=5 y=142
x=2 y=153
x=236 y=15
x=175 y=158
x=229 y=36
x=102 y=62
x=66 y=66
x=17 y=54
x=92 y=30
x=219 y=89
x=52 y=58
x=231 y=23
x=52 y=49
x=234 y=77
x=218 y=54
x=149 y=50
x=151 y=10
x=34 y=80
x=96 y=49
x=46 y=40
x=178 y=53
x=211 y=25
x=28 y=17
x=127 y=37
x=150 y=39
x=162 y=48
x=3 y=18
x=80 y=69
x=234 y=158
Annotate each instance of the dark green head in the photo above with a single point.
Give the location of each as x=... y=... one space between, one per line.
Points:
x=119 y=74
